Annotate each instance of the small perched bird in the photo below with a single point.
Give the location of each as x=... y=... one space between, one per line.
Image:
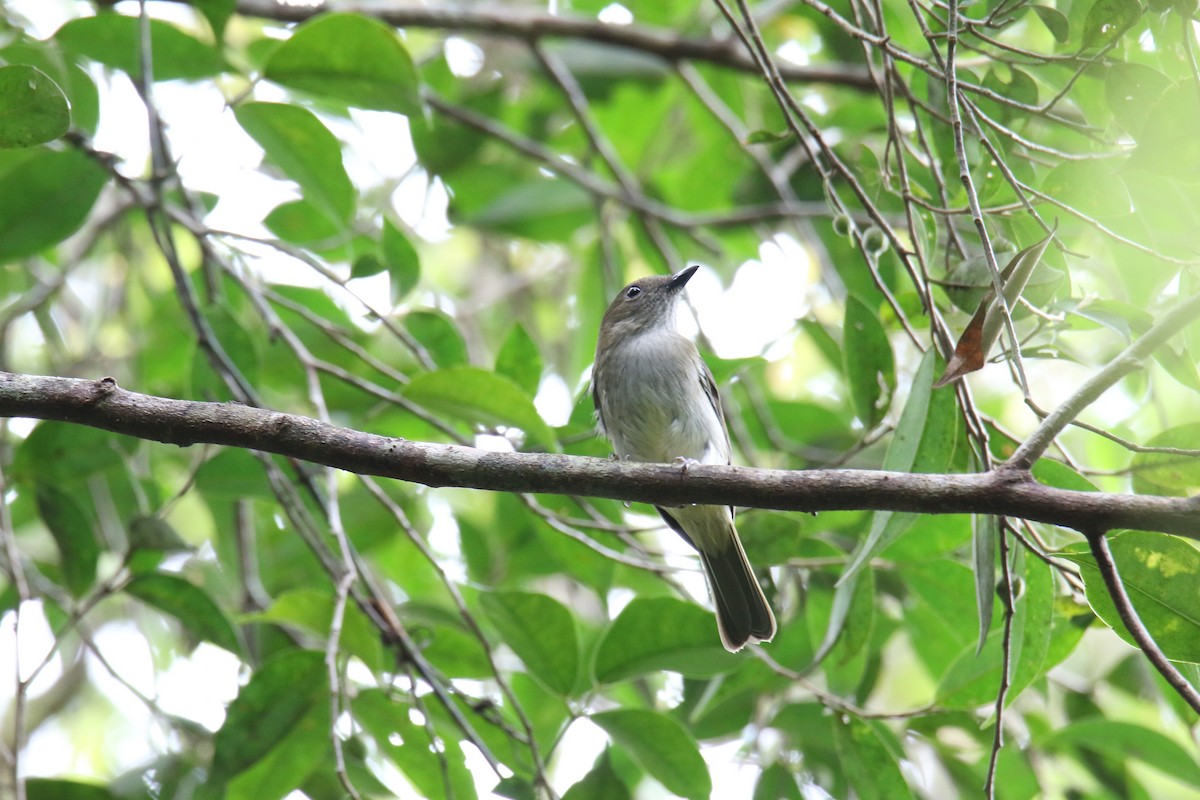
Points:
x=657 y=401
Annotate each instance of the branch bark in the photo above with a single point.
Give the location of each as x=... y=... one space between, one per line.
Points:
x=1006 y=491
x=532 y=26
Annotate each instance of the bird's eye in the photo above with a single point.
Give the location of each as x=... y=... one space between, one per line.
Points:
x=633 y=291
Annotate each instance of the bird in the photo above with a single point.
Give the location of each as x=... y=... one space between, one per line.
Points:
x=656 y=401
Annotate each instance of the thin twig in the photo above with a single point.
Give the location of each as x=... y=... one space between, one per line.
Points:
x=1098 y=543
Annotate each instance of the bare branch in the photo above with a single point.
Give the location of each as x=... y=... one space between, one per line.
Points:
x=1009 y=491
x=534 y=26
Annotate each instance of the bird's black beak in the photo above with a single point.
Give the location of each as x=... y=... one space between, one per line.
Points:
x=680 y=279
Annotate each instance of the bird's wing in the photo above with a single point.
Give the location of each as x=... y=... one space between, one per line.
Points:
x=709 y=385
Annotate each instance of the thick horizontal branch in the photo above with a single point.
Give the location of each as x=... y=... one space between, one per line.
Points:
x=531 y=26
x=1010 y=492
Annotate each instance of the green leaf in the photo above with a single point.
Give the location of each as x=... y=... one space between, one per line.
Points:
x=44 y=199
x=53 y=789
x=871 y=766
x=1160 y=575
x=601 y=783
x=514 y=788
x=541 y=631
x=115 y=40
x=188 y=603
x=59 y=452
x=1125 y=740
x=924 y=442
x=439 y=335
x=1131 y=90
x=1107 y=19
x=305 y=150
x=407 y=745
x=71 y=528
x=520 y=360
x=311 y=610
x=401 y=259
x=985 y=533
x=80 y=90
x=1165 y=473
x=767 y=137
x=350 y=58
x=233 y=474
x=33 y=109
x=867 y=359
x=974 y=677
x=483 y=398
x=547 y=209
x=304 y=223
x=279 y=695
x=662 y=746
x=777 y=783
x=1055 y=22
x=653 y=634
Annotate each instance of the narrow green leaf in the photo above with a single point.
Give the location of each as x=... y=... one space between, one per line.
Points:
x=115 y=40
x=1126 y=740
x=1160 y=574
x=924 y=441
x=33 y=109
x=767 y=137
x=867 y=360
x=985 y=530
x=306 y=151
x=350 y=58
x=520 y=360
x=45 y=198
x=71 y=528
x=402 y=261
x=662 y=746
x=653 y=634
x=541 y=631
x=188 y=603
x=483 y=398
x=853 y=600
x=276 y=699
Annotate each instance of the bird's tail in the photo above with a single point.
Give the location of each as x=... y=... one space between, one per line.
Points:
x=743 y=615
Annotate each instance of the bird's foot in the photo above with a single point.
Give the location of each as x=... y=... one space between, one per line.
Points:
x=685 y=463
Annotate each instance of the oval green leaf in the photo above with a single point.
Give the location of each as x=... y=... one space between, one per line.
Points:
x=481 y=397
x=44 y=199
x=541 y=631
x=306 y=151
x=350 y=58
x=653 y=634
x=114 y=40
x=33 y=109
x=661 y=746
x=1160 y=574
